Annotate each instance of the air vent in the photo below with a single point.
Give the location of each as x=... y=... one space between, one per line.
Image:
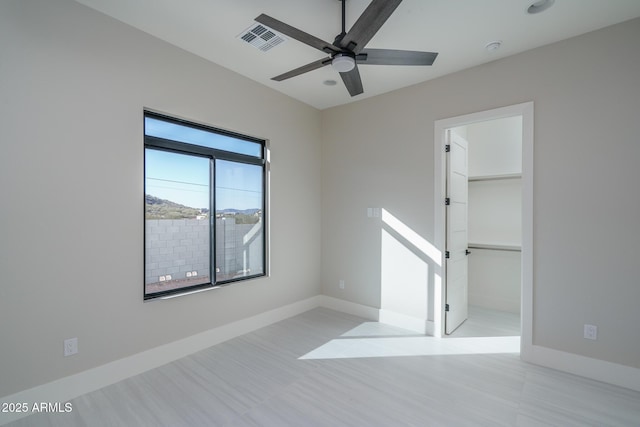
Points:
x=261 y=37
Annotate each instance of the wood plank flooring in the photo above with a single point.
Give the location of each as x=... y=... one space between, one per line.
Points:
x=484 y=322
x=271 y=378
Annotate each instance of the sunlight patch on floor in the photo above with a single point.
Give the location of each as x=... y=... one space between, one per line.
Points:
x=374 y=339
x=377 y=329
x=347 y=348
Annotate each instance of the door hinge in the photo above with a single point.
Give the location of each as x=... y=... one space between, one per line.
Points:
x=446 y=254
x=447 y=201
x=447 y=148
x=446 y=307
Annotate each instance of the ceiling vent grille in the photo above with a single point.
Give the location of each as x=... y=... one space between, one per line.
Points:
x=261 y=37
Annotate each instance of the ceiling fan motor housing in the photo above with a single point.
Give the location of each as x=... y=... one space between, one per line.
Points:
x=343 y=62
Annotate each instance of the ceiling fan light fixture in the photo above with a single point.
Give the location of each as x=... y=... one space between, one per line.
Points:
x=343 y=63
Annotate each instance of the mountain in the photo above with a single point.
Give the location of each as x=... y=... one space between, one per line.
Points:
x=238 y=211
x=157 y=208
x=241 y=216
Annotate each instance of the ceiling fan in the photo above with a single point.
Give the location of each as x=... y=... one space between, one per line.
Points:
x=348 y=48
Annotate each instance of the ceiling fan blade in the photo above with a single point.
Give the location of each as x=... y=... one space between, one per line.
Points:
x=297 y=34
x=373 y=17
x=352 y=81
x=304 y=69
x=395 y=57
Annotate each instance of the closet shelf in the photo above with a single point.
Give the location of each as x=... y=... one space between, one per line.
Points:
x=490 y=246
x=495 y=177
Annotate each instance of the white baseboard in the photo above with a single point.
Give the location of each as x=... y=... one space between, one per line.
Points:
x=430 y=328
x=349 y=307
x=403 y=321
x=67 y=388
x=389 y=317
x=599 y=370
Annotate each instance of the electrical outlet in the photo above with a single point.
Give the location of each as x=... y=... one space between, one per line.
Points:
x=188 y=274
x=591 y=332
x=162 y=278
x=341 y=284
x=70 y=346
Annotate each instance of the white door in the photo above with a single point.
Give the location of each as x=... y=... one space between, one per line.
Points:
x=457 y=235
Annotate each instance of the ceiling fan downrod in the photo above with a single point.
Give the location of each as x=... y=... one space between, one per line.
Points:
x=340 y=36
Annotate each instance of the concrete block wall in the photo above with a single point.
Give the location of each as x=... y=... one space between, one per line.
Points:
x=175 y=247
x=239 y=248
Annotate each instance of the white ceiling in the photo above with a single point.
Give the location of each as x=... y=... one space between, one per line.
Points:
x=457 y=29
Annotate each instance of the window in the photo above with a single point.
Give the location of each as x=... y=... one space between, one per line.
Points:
x=204 y=206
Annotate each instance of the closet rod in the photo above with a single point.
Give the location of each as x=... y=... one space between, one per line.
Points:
x=494 y=177
x=495 y=247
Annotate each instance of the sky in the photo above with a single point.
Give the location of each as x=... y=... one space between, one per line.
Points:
x=204 y=138
x=184 y=179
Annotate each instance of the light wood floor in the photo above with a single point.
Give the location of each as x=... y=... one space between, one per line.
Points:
x=484 y=322
x=309 y=371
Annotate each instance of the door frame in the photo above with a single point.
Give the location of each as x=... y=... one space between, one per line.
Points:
x=440 y=127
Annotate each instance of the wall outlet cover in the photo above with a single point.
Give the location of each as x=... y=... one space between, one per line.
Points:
x=590 y=332
x=70 y=346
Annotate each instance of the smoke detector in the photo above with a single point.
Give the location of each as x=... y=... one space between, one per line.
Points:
x=493 y=46
x=540 y=6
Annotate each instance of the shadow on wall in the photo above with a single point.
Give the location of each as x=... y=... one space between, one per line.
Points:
x=410 y=280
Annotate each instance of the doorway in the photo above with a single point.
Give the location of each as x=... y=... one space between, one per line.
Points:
x=492 y=226
x=447 y=238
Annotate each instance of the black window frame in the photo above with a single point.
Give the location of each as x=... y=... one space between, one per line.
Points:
x=213 y=154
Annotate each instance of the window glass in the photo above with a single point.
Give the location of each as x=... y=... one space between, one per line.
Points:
x=177 y=230
x=205 y=138
x=239 y=220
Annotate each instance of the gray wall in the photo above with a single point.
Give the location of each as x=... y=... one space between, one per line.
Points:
x=73 y=87
x=586 y=92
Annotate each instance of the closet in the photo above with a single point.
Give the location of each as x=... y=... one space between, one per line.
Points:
x=494 y=213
